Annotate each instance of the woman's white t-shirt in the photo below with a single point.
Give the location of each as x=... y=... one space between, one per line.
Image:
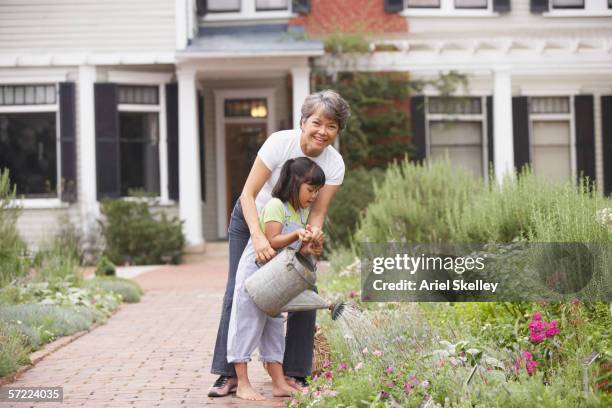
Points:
x=284 y=145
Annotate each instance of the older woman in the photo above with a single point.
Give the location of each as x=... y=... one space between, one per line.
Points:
x=324 y=115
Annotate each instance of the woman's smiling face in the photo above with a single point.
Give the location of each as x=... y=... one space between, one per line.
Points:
x=318 y=132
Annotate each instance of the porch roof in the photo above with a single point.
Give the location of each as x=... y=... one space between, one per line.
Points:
x=254 y=40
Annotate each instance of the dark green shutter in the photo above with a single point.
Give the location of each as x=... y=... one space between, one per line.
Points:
x=394 y=6
x=520 y=129
x=67 y=120
x=202 y=147
x=501 y=6
x=490 y=147
x=202 y=7
x=539 y=6
x=172 y=135
x=417 y=123
x=606 y=130
x=301 y=7
x=108 y=165
x=585 y=136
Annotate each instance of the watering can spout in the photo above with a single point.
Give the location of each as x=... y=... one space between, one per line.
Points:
x=307 y=300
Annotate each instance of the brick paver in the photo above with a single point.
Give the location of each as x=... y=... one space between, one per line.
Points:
x=156 y=353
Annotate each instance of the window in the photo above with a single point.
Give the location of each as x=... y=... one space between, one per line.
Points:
x=456 y=129
x=241 y=108
x=551 y=137
x=450 y=7
x=580 y=8
x=139 y=139
x=220 y=10
x=28 y=138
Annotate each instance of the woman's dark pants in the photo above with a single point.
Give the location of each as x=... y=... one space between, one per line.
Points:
x=299 y=339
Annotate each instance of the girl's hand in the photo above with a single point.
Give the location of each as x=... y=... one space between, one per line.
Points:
x=317 y=234
x=303 y=235
x=263 y=251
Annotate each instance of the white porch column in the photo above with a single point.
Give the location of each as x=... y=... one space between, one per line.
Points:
x=503 y=142
x=88 y=201
x=190 y=205
x=300 y=79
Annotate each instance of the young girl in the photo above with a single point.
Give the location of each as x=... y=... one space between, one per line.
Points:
x=283 y=220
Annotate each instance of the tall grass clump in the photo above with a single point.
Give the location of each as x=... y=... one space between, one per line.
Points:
x=12 y=248
x=418 y=203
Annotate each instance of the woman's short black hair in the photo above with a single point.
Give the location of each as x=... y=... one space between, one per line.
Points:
x=293 y=174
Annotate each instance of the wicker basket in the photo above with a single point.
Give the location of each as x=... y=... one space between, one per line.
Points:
x=321 y=354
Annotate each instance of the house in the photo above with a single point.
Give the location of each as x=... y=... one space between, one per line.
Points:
x=174 y=97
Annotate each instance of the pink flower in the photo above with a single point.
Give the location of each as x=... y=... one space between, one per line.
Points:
x=527 y=355
x=552 y=332
x=326 y=363
x=293 y=403
x=359 y=366
x=329 y=375
x=316 y=394
x=377 y=353
x=343 y=366
x=389 y=370
x=537 y=316
x=425 y=384
x=531 y=366
x=352 y=294
x=408 y=387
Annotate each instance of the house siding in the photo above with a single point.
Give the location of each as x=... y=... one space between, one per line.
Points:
x=110 y=26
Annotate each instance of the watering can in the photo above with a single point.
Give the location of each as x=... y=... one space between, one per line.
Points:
x=285 y=284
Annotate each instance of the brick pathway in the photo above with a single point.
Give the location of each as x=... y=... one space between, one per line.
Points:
x=156 y=353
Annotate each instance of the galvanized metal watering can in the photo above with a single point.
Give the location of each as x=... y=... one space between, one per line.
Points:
x=285 y=284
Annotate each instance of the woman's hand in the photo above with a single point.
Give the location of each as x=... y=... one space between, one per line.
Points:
x=316 y=234
x=263 y=251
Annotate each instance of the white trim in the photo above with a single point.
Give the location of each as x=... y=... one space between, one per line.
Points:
x=188 y=55
x=139 y=77
x=28 y=108
x=447 y=9
x=181 y=11
x=33 y=76
x=220 y=121
x=126 y=107
x=38 y=203
x=69 y=59
x=163 y=148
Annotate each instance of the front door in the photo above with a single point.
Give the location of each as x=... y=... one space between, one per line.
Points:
x=242 y=142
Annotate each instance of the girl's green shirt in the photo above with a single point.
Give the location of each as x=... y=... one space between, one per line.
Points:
x=274 y=210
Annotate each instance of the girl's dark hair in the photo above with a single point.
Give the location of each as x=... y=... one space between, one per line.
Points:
x=293 y=174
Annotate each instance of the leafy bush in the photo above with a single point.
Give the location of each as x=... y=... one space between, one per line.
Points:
x=133 y=235
x=129 y=290
x=14 y=348
x=13 y=263
x=104 y=267
x=356 y=192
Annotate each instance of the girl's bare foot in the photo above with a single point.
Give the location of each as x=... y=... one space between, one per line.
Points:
x=283 y=390
x=247 y=392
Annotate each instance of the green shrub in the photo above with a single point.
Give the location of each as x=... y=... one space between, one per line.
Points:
x=14 y=348
x=104 y=267
x=55 y=264
x=13 y=263
x=129 y=290
x=356 y=192
x=133 y=235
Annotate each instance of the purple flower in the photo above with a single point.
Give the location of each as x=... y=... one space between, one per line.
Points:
x=342 y=366
x=408 y=387
x=389 y=370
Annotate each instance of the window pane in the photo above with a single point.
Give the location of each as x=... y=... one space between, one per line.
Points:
x=461 y=142
x=551 y=150
x=223 y=5
x=139 y=152
x=471 y=4
x=28 y=148
x=271 y=4
x=249 y=108
x=27 y=94
x=424 y=3
x=139 y=95
x=549 y=105
x=456 y=106
x=568 y=3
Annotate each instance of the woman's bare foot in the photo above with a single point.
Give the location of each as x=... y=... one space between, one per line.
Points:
x=294 y=384
x=247 y=392
x=283 y=390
